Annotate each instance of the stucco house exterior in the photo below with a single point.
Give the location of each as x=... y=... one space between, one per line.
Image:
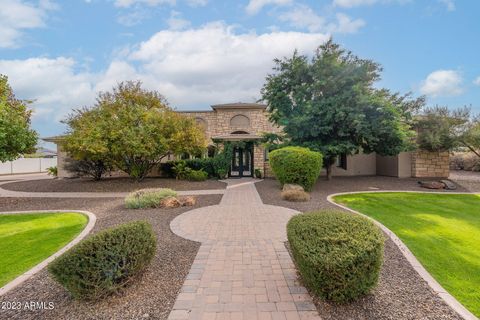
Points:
x=248 y=121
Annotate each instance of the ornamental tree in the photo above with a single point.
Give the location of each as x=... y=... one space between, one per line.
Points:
x=16 y=135
x=329 y=104
x=131 y=128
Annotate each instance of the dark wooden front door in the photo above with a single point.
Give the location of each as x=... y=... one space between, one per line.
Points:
x=242 y=162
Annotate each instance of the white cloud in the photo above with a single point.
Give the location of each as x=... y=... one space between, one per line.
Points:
x=477 y=81
x=214 y=64
x=442 y=83
x=17 y=16
x=152 y=3
x=192 y=68
x=304 y=17
x=176 y=22
x=53 y=83
x=134 y=17
x=358 y=3
x=449 y=4
x=255 y=6
x=197 y=3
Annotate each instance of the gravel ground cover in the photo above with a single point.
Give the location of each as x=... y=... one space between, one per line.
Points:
x=468 y=180
x=401 y=292
x=151 y=297
x=109 y=185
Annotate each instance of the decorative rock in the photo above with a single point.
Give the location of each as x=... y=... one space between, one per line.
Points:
x=170 y=202
x=289 y=186
x=187 y=201
x=449 y=185
x=431 y=184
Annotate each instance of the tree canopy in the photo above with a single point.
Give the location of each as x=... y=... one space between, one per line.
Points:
x=16 y=135
x=329 y=104
x=442 y=129
x=131 y=128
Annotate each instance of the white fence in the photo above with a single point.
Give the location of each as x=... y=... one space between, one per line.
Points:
x=27 y=165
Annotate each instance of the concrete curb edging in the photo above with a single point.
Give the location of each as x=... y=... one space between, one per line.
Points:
x=416 y=265
x=23 y=277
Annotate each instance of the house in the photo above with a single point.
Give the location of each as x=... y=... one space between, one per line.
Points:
x=248 y=121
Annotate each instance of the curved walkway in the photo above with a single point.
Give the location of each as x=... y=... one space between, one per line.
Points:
x=242 y=269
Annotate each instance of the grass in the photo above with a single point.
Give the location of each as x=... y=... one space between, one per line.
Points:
x=28 y=239
x=442 y=231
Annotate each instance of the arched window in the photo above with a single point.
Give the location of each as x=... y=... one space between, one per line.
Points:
x=201 y=122
x=240 y=121
x=239 y=132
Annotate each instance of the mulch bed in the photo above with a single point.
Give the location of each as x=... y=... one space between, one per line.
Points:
x=151 y=297
x=401 y=293
x=109 y=185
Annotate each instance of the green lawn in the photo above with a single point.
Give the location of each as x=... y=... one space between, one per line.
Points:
x=442 y=231
x=28 y=239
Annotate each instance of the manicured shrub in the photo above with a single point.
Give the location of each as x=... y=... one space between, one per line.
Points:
x=296 y=165
x=106 y=262
x=258 y=174
x=339 y=255
x=295 y=195
x=196 y=175
x=148 y=198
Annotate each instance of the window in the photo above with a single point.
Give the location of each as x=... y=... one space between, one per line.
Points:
x=341 y=161
x=240 y=121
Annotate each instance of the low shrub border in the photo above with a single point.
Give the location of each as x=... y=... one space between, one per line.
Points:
x=148 y=198
x=416 y=265
x=106 y=262
x=339 y=255
x=25 y=276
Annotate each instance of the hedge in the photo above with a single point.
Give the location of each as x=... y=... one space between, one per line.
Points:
x=339 y=255
x=296 y=165
x=106 y=262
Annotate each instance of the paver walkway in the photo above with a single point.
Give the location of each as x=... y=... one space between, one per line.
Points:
x=242 y=269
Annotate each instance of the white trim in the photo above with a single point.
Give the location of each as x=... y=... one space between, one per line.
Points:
x=416 y=265
x=20 y=279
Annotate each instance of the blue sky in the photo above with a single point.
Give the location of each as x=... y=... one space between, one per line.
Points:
x=202 y=52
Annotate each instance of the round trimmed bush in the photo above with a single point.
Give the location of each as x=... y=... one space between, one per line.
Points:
x=106 y=262
x=338 y=254
x=296 y=165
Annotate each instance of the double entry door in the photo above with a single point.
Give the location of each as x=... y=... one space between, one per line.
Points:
x=242 y=162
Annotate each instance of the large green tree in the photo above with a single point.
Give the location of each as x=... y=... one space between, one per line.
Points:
x=131 y=128
x=16 y=135
x=329 y=103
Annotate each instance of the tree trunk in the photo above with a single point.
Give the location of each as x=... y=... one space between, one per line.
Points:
x=329 y=171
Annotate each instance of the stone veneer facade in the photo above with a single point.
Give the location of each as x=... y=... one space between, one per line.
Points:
x=430 y=164
x=253 y=121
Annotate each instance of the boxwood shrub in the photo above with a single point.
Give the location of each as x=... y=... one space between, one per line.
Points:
x=296 y=165
x=106 y=262
x=339 y=255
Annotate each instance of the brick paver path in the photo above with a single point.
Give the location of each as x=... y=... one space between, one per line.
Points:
x=242 y=270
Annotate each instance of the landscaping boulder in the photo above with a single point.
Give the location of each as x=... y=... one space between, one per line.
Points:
x=431 y=184
x=449 y=185
x=170 y=202
x=291 y=186
x=187 y=201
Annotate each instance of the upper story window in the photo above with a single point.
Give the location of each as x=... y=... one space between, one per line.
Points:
x=240 y=121
x=201 y=122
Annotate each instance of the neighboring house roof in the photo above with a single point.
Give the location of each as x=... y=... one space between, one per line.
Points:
x=46 y=152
